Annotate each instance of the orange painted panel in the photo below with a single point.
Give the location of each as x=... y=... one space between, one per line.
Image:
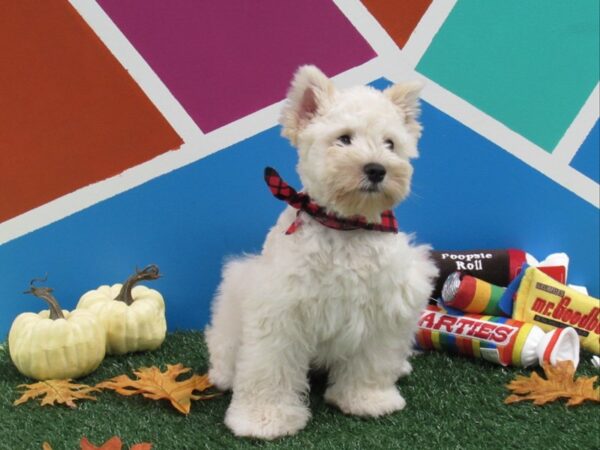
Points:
x=398 y=18
x=70 y=114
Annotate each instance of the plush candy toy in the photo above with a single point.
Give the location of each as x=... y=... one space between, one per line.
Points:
x=472 y=295
x=133 y=316
x=497 y=339
x=56 y=344
x=549 y=304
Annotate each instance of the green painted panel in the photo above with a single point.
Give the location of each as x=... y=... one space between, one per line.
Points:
x=529 y=64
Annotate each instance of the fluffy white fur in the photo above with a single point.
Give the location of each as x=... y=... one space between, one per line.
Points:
x=346 y=301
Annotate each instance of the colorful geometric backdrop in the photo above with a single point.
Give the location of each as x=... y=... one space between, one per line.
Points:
x=136 y=131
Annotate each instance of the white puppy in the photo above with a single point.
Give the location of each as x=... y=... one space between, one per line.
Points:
x=346 y=300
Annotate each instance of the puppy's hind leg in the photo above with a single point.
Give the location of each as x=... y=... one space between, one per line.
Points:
x=223 y=333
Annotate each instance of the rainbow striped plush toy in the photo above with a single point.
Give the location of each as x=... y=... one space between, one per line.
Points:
x=498 y=339
x=472 y=295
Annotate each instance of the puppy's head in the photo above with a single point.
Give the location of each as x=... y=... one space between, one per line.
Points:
x=354 y=145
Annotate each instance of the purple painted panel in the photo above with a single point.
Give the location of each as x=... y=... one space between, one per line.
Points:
x=223 y=60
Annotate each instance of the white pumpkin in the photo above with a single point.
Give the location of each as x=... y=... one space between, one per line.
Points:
x=133 y=316
x=55 y=343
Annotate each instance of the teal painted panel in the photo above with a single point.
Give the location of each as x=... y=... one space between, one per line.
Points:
x=529 y=64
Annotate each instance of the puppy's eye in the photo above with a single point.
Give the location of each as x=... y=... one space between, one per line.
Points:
x=389 y=144
x=345 y=139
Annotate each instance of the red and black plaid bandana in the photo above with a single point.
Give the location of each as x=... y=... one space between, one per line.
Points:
x=302 y=202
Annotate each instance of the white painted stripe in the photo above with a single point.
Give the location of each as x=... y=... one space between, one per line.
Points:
x=378 y=38
x=138 y=68
x=360 y=17
x=512 y=142
x=426 y=29
x=363 y=74
x=579 y=129
x=390 y=60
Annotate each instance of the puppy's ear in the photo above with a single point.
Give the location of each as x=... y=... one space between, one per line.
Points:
x=306 y=98
x=406 y=98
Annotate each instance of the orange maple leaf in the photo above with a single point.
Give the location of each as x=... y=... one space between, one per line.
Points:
x=559 y=383
x=56 y=391
x=157 y=385
x=114 y=443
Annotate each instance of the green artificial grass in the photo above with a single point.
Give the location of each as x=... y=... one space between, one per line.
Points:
x=452 y=402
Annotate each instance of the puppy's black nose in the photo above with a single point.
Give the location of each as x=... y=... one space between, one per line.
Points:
x=375 y=172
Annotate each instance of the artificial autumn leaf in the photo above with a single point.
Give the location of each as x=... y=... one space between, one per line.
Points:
x=141 y=446
x=157 y=385
x=113 y=443
x=559 y=383
x=56 y=391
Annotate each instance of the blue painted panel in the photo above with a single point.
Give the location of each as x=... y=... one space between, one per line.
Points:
x=587 y=158
x=470 y=193
x=467 y=193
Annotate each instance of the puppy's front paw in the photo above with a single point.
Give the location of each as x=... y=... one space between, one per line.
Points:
x=265 y=421
x=222 y=379
x=367 y=402
x=405 y=368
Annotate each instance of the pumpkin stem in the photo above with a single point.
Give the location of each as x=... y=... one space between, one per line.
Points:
x=148 y=273
x=45 y=293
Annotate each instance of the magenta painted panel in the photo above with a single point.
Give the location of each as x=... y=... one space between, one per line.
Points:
x=225 y=59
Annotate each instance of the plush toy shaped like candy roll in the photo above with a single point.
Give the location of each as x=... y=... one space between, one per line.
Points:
x=497 y=339
x=465 y=293
x=549 y=304
x=472 y=295
x=498 y=267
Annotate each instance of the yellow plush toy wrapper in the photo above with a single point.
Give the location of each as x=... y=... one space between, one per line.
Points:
x=549 y=304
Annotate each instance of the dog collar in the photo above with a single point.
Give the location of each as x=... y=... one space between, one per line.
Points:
x=303 y=202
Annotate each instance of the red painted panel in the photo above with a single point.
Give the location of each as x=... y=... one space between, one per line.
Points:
x=398 y=18
x=70 y=114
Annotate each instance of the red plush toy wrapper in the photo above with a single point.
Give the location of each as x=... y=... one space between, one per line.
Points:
x=498 y=339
